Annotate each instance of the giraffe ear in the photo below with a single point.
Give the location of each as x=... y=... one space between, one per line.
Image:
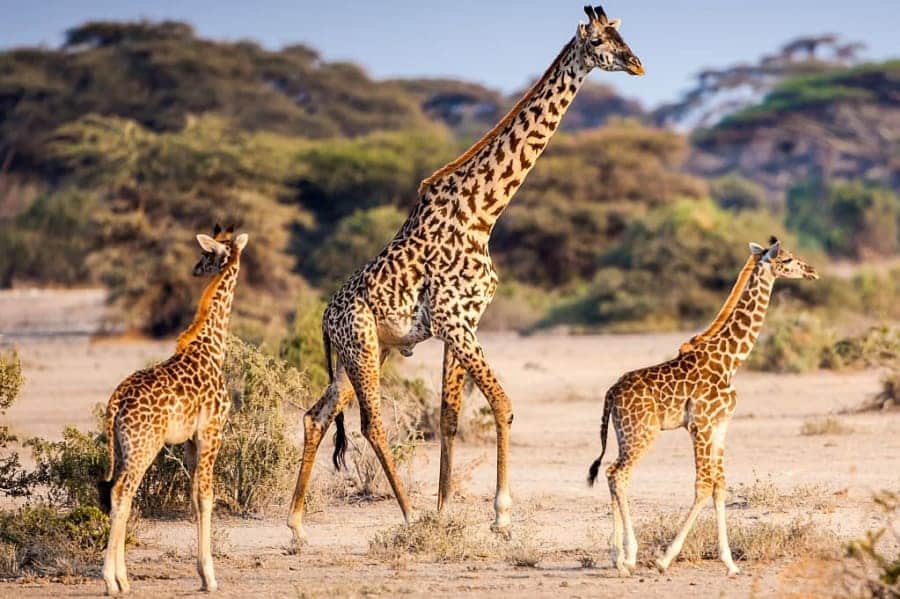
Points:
x=615 y=23
x=583 y=32
x=241 y=241
x=209 y=244
x=773 y=250
x=756 y=249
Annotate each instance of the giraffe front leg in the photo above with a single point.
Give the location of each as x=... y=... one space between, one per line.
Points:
x=702 y=491
x=451 y=401
x=468 y=351
x=719 y=498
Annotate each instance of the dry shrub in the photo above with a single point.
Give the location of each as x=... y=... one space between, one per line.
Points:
x=889 y=396
x=764 y=494
x=828 y=426
x=758 y=541
x=869 y=570
x=48 y=542
x=452 y=536
x=793 y=340
x=876 y=346
x=11 y=379
x=258 y=456
x=13 y=480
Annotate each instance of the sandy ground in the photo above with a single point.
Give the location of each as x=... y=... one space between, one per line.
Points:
x=557 y=384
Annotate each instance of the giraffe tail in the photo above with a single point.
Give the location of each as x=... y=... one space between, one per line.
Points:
x=604 y=432
x=340 y=433
x=104 y=486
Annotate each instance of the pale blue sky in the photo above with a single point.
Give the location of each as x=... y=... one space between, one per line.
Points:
x=501 y=44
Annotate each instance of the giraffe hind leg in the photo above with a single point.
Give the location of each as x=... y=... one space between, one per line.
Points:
x=633 y=444
x=451 y=402
x=315 y=422
x=134 y=462
x=365 y=376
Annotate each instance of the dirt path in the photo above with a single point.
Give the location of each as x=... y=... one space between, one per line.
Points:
x=557 y=384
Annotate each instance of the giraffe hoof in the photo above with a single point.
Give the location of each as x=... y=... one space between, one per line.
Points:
x=502 y=531
x=624 y=570
x=733 y=571
x=660 y=566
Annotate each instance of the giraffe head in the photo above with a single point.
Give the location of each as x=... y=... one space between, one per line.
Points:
x=782 y=262
x=600 y=44
x=217 y=250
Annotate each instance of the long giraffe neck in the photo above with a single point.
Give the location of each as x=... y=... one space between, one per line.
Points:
x=476 y=187
x=727 y=308
x=210 y=325
x=739 y=332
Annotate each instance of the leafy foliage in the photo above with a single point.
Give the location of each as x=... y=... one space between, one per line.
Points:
x=581 y=197
x=158 y=74
x=692 y=249
x=847 y=218
x=136 y=200
x=355 y=240
x=13 y=479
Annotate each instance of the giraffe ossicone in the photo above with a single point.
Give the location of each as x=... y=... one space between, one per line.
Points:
x=436 y=277
x=691 y=391
x=181 y=400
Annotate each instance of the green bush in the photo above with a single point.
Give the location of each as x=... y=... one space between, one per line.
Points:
x=46 y=541
x=559 y=224
x=872 y=564
x=11 y=379
x=303 y=346
x=13 y=478
x=737 y=193
x=66 y=472
x=258 y=457
x=846 y=218
x=669 y=270
x=355 y=240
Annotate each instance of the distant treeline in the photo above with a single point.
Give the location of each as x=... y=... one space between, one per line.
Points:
x=119 y=146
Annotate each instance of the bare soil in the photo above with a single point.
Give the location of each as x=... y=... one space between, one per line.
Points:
x=557 y=384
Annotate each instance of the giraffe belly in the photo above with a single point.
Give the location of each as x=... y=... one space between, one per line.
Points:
x=404 y=330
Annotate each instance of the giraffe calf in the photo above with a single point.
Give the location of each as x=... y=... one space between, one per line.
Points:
x=692 y=391
x=180 y=400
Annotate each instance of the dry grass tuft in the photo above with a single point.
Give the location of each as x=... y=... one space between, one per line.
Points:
x=759 y=541
x=828 y=426
x=452 y=537
x=764 y=494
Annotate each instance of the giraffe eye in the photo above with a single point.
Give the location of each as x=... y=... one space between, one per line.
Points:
x=787 y=260
x=596 y=41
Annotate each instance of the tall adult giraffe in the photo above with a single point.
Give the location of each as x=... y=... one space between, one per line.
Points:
x=435 y=277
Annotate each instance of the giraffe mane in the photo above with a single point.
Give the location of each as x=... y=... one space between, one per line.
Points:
x=490 y=135
x=727 y=308
x=191 y=333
